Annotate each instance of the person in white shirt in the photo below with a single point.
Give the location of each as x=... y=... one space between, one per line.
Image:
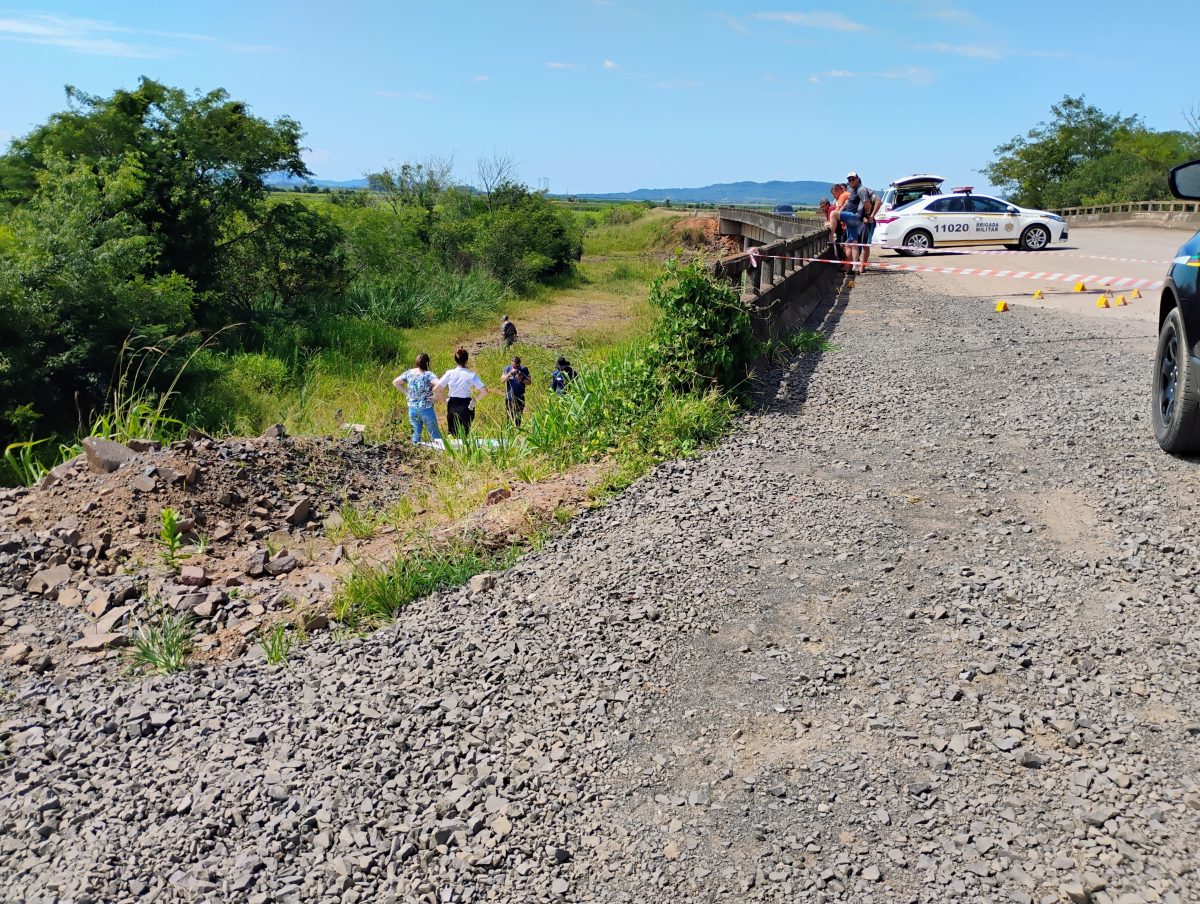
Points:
x=463 y=389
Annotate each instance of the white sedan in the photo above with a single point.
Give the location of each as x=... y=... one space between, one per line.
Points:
x=963 y=218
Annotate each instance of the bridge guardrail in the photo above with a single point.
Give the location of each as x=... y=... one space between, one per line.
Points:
x=1130 y=207
x=812 y=222
x=777 y=261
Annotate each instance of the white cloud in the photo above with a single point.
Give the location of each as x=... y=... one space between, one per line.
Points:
x=92 y=36
x=815 y=19
x=563 y=66
x=952 y=14
x=972 y=51
x=914 y=75
x=610 y=65
x=480 y=78
x=733 y=23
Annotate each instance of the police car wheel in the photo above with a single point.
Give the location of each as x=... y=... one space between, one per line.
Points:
x=918 y=242
x=1035 y=238
x=1176 y=390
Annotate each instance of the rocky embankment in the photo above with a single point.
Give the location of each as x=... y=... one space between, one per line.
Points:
x=925 y=629
x=82 y=560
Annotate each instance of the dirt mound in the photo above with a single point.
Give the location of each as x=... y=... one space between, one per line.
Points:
x=262 y=539
x=84 y=551
x=701 y=234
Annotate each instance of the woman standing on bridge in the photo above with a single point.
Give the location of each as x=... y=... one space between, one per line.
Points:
x=463 y=388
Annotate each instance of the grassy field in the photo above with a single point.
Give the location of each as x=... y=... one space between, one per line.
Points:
x=583 y=317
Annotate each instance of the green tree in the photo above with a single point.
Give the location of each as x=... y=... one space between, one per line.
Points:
x=203 y=158
x=76 y=282
x=294 y=259
x=1033 y=166
x=525 y=237
x=703 y=338
x=1086 y=156
x=414 y=186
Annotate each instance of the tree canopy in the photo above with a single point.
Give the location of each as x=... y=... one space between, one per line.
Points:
x=1083 y=155
x=203 y=162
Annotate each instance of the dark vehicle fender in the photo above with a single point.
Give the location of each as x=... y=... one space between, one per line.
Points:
x=1182 y=290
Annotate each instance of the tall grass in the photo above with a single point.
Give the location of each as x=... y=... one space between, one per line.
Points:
x=135 y=409
x=418 y=296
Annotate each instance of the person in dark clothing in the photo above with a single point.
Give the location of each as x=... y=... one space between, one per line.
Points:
x=463 y=388
x=508 y=331
x=562 y=375
x=515 y=378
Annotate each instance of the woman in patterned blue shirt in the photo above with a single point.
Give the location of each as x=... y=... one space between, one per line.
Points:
x=418 y=383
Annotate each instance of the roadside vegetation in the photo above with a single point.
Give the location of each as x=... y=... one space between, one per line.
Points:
x=141 y=295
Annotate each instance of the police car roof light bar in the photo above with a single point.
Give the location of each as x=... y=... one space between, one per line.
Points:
x=964 y=189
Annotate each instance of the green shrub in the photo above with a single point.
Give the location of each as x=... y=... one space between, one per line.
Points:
x=703 y=338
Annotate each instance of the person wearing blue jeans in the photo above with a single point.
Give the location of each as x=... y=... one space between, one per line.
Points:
x=852 y=213
x=418 y=383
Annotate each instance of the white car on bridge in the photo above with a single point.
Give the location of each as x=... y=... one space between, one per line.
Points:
x=965 y=218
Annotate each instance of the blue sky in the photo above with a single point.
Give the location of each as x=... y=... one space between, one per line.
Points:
x=614 y=95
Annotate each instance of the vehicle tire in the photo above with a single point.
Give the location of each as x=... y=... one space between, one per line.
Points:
x=917 y=242
x=1035 y=237
x=1176 y=390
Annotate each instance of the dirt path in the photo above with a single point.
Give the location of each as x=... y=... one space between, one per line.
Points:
x=926 y=629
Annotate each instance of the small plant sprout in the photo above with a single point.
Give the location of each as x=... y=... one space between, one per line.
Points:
x=278 y=644
x=171 y=537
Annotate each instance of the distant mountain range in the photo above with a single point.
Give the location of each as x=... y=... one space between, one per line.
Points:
x=773 y=192
x=282 y=180
x=759 y=193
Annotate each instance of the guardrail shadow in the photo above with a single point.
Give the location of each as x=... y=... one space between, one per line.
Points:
x=784 y=387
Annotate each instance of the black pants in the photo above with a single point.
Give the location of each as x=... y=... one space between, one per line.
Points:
x=459 y=415
x=516 y=407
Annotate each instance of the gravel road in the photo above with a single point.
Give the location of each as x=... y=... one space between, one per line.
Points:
x=924 y=630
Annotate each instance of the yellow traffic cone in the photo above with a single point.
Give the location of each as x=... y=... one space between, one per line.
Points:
x=1001 y=306
x=1037 y=295
x=1080 y=287
x=1121 y=301
x=1136 y=293
x=1102 y=301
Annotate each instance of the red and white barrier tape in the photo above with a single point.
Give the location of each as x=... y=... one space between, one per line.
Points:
x=1108 y=282
x=1047 y=251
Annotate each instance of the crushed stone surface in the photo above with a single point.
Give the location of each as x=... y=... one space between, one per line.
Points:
x=924 y=629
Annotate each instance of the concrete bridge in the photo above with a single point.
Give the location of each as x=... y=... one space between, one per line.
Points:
x=777 y=281
x=757 y=227
x=1168 y=214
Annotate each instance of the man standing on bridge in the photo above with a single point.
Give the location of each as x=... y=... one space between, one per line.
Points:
x=857 y=204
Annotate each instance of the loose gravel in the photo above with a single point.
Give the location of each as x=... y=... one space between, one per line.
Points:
x=924 y=630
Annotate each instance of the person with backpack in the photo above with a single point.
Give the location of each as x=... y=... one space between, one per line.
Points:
x=851 y=214
x=562 y=375
x=508 y=331
x=867 y=235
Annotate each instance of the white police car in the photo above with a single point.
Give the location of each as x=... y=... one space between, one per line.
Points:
x=964 y=218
